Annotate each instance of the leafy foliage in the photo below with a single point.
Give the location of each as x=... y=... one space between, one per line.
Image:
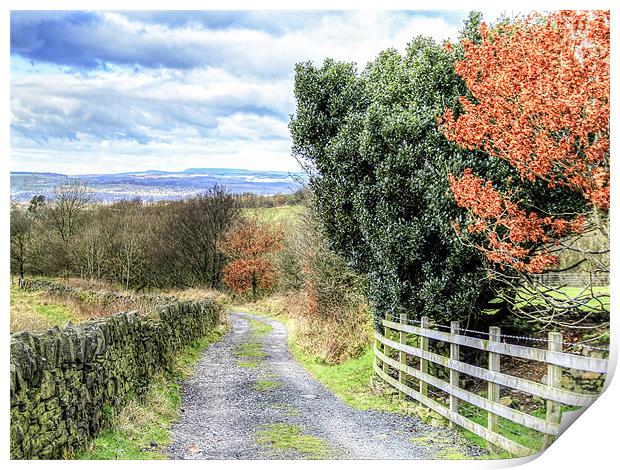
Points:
x=549 y=120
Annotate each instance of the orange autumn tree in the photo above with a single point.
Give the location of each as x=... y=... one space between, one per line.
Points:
x=249 y=247
x=540 y=101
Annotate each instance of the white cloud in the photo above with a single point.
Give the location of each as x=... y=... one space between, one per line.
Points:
x=198 y=97
x=251 y=126
x=142 y=104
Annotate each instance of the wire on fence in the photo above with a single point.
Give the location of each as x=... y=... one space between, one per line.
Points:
x=410 y=321
x=474 y=412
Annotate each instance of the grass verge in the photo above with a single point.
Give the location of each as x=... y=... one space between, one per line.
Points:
x=353 y=381
x=141 y=429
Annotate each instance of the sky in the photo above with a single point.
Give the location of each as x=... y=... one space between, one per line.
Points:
x=105 y=92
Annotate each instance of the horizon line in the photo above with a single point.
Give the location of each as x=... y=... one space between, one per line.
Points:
x=155 y=170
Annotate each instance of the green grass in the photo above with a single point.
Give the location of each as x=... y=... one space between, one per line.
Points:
x=249 y=364
x=352 y=381
x=142 y=428
x=279 y=214
x=265 y=385
x=251 y=354
x=524 y=298
x=287 y=409
x=260 y=328
x=33 y=311
x=251 y=350
x=515 y=432
x=282 y=437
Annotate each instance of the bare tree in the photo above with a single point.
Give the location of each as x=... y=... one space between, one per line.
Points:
x=194 y=230
x=67 y=208
x=91 y=251
x=132 y=243
x=22 y=226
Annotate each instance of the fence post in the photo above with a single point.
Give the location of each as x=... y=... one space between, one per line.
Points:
x=386 y=348
x=454 y=375
x=493 y=389
x=402 y=356
x=423 y=362
x=554 y=379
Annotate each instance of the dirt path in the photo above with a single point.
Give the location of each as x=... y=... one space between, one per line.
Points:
x=249 y=399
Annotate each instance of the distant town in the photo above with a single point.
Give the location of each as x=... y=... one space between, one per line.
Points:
x=154 y=185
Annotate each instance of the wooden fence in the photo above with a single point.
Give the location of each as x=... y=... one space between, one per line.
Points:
x=394 y=355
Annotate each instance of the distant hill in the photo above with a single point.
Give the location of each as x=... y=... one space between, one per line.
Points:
x=154 y=185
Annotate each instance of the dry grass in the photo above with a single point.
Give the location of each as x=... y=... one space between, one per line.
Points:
x=90 y=284
x=29 y=322
x=41 y=310
x=35 y=311
x=275 y=305
x=197 y=293
x=89 y=305
x=333 y=338
x=137 y=415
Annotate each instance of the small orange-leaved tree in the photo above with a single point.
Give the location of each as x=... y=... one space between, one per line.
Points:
x=249 y=247
x=539 y=99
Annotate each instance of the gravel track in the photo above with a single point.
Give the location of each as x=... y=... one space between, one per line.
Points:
x=224 y=407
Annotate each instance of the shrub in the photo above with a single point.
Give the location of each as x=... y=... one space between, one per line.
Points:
x=326 y=299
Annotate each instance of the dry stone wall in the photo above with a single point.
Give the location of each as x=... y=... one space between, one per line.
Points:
x=104 y=297
x=66 y=382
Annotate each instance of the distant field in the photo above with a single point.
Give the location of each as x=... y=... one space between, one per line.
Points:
x=279 y=214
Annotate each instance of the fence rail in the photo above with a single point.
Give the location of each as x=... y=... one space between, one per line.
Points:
x=395 y=369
